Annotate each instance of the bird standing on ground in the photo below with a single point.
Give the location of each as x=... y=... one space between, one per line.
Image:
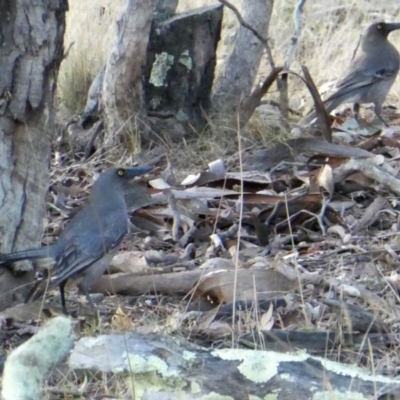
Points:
x=89 y=241
x=371 y=74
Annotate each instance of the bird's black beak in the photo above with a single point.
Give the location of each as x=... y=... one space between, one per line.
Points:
x=132 y=172
x=392 y=26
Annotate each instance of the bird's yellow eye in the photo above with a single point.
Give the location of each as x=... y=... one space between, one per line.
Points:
x=379 y=26
x=121 y=172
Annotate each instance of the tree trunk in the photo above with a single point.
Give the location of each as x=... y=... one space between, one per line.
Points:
x=122 y=95
x=238 y=70
x=31 y=38
x=180 y=70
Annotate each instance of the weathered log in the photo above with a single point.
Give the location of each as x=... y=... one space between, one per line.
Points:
x=168 y=367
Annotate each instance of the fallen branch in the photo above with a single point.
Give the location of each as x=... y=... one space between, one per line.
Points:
x=134 y=285
x=370 y=170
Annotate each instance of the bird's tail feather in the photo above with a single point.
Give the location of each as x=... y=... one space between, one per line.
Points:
x=24 y=255
x=332 y=103
x=329 y=104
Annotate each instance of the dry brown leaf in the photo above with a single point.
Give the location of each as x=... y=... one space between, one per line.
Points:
x=217 y=263
x=259 y=283
x=121 y=321
x=130 y=262
x=159 y=184
x=267 y=320
x=191 y=180
x=325 y=180
x=217 y=167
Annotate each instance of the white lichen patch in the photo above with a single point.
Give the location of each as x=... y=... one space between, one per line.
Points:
x=268 y=397
x=186 y=60
x=141 y=365
x=258 y=366
x=152 y=375
x=188 y=355
x=271 y=396
x=161 y=66
x=195 y=387
x=181 y=116
x=262 y=366
x=288 y=377
x=354 y=372
x=335 y=394
x=215 y=396
x=155 y=102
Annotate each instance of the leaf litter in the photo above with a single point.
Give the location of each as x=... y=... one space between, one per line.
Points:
x=316 y=250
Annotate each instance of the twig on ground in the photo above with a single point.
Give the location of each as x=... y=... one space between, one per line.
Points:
x=176 y=215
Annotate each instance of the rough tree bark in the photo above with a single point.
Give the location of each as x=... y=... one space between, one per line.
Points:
x=31 y=50
x=238 y=70
x=180 y=70
x=122 y=92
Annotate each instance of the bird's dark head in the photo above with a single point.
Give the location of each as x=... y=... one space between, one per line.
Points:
x=119 y=178
x=380 y=30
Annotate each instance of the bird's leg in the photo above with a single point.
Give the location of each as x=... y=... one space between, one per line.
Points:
x=378 y=113
x=33 y=293
x=89 y=299
x=356 y=110
x=383 y=121
x=62 y=295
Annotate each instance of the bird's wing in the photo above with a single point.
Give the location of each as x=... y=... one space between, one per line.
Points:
x=85 y=246
x=359 y=77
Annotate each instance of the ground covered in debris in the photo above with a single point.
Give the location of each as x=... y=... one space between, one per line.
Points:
x=217 y=256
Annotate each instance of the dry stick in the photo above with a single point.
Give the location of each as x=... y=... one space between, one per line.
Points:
x=288 y=216
x=293 y=42
x=250 y=103
x=319 y=217
x=66 y=53
x=370 y=215
x=283 y=82
x=97 y=128
x=176 y=216
x=322 y=115
x=370 y=170
x=235 y=279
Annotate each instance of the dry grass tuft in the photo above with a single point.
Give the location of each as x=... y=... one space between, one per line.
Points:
x=90 y=26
